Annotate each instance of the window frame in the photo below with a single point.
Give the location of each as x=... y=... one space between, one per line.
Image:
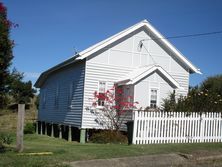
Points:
x=101 y=106
x=70 y=94
x=43 y=96
x=56 y=103
x=128 y=94
x=157 y=98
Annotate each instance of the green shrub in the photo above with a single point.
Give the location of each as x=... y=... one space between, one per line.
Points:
x=29 y=128
x=108 y=136
x=2 y=148
x=5 y=139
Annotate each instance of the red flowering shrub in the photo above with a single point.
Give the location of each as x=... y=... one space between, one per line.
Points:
x=112 y=107
x=6 y=54
x=2 y=8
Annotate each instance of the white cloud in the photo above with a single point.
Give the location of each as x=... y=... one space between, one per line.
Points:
x=33 y=75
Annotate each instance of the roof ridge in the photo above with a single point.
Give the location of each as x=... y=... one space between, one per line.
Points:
x=110 y=38
x=87 y=52
x=136 y=75
x=104 y=43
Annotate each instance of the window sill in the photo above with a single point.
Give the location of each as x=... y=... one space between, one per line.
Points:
x=99 y=107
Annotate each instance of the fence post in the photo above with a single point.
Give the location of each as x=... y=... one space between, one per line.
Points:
x=219 y=127
x=201 y=127
x=20 y=127
x=135 y=115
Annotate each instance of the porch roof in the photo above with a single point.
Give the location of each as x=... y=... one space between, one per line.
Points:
x=140 y=73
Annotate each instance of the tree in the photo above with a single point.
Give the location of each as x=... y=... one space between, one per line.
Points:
x=37 y=101
x=11 y=83
x=212 y=89
x=20 y=90
x=115 y=108
x=213 y=84
x=6 y=55
x=204 y=98
x=169 y=104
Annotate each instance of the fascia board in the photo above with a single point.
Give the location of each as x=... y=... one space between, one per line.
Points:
x=142 y=75
x=172 y=48
x=169 y=77
x=85 y=54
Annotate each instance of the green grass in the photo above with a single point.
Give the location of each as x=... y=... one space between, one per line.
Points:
x=8 y=119
x=64 y=151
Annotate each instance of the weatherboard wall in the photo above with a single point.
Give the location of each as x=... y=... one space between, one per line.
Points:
x=61 y=96
x=118 y=59
x=153 y=81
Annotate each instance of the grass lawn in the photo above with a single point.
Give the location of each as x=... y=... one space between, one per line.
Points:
x=64 y=151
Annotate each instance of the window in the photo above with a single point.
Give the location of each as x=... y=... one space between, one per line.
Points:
x=127 y=94
x=102 y=89
x=43 y=96
x=57 y=96
x=153 y=98
x=70 y=94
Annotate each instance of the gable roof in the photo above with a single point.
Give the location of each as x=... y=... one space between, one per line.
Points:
x=140 y=73
x=87 y=52
x=45 y=74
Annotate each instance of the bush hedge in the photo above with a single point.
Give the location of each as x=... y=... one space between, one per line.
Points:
x=6 y=138
x=108 y=136
x=29 y=128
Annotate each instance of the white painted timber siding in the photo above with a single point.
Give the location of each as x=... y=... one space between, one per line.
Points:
x=96 y=73
x=63 y=91
x=154 y=81
x=183 y=80
x=120 y=58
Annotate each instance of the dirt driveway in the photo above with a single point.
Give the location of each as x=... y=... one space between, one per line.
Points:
x=201 y=159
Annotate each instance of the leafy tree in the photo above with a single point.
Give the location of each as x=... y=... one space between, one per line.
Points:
x=11 y=83
x=21 y=91
x=169 y=104
x=213 y=84
x=37 y=101
x=205 y=98
x=6 y=55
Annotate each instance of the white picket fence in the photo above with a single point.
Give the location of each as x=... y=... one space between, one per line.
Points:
x=176 y=127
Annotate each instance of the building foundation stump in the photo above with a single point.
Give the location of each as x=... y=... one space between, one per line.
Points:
x=82 y=136
x=52 y=130
x=37 y=127
x=46 y=130
x=60 y=131
x=41 y=128
x=70 y=133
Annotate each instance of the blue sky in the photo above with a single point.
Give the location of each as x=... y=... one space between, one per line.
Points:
x=50 y=30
